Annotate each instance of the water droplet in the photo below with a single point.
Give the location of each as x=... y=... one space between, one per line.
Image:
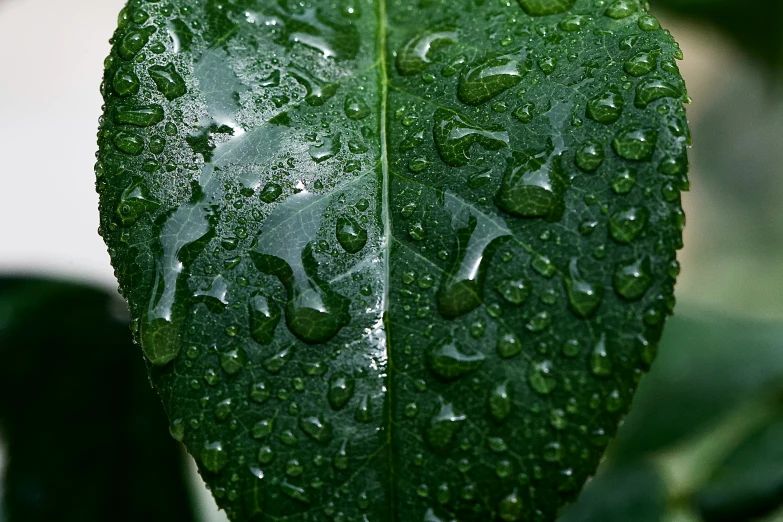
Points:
x=509 y=345
x=443 y=426
x=552 y=452
x=510 y=508
x=327 y=149
x=632 y=280
x=626 y=225
x=134 y=203
x=546 y=7
x=355 y=107
x=340 y=459
x=525 y=112
x=314 y=312
x=318 y=91
x=350 y=234
x=413 y=56
x=265 y=455
x=260 y=392
x=341 y=389
x=363 y=412
x=641 y=63
x=316 y=428
x=265 y=315
x=485 y=79
x=138 y=115
x=541 y=379
x=177 y=429
x=454 y=135
x=479 y=178
x=544 y=266
x=417 y=232
x=477 y=237
x=223 y=409
x=607 y=107
x=213 y=456
x=233 y=361
x=654 y=89
x=534 y=185
x=635 y=144
x=624 y=181
x=125 y=82
x=134 y=41
x=547 y=65
x=271 y=192
x=129 y=143
x=294 y=492
x=263 y=428
x=648 y=23
x=500 y=402
x=448 y=360
x=573 y=23
x=621 y=9
x=584 y=297
x=514 y=291
x=275 y=363
x=168 y=81
x=590 y=156
x=600 y=362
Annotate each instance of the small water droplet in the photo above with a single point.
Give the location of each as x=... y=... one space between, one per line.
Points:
x=448 y=360
x=168 y=81
x=546 y=7
x=500 y=402
x=509 y=345
x=632 y=280
x=590 y=156
x=584 y=297
x=607 y=107
x=413 y=56
x=350 y=234
x=315 y=427
x=214 y=456
x=355 y=107
x=541 y=378
x=443 y=426
x=635 y=144
x=600 y=362
x=485 y=79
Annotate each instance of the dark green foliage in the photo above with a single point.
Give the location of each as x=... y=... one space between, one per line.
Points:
x=87 y=438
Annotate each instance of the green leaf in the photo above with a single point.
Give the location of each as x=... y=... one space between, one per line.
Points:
x=749 y=483
x=619 y=495
x=395 y=261
x=86 y=436
x=708 y=365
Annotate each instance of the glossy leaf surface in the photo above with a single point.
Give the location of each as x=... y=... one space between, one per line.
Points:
x=394 y=260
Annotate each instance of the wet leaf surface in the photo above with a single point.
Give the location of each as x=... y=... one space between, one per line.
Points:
x=394 y=261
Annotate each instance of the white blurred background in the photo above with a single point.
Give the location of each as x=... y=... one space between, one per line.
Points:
x=51 y=64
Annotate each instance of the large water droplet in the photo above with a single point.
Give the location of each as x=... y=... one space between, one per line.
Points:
x=316 y=428
x=534 y=185
x=546 y=7
x=625 y=225
x=509 y=345
x=134 y=41
x=641 y=63
x=621 y=9
x=635 y=144
x=318 y=91
x=632 y=280
x=312 y=28
x=590 y=155
x=654 y=89
x=214 y=456
x=138 y=115
x=264 y=318
x=341 y=389
x=448 y=360
x=455 y=134
x=314 y=312
x=350 y=234
x=129 y=143
x=134 y=203
x=485 y=79
x=607 y=107
x=477 y=236
x=541 y=378
x=413 y=56
x=355 y=107
x=125 y=81
x=327 y=149
x=168 y=81
x=443 y=426
x=584 y=297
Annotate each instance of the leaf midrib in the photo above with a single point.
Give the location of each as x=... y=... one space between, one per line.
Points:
x=383 y=81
